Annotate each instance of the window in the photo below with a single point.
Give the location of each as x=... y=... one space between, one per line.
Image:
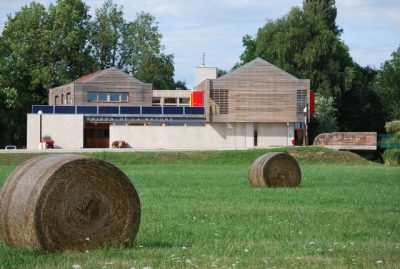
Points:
x=92 y=97
x=301 y=101
x=56 y=100
x=116 y=97
x=219 y=101
x=62 y=98
x=69 y=100
x=124 y=96
x=102 y=97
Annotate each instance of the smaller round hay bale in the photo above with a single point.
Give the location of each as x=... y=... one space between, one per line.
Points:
x=68 y=202
x=274 y=169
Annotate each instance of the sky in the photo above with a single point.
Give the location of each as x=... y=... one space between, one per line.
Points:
x=371 y=29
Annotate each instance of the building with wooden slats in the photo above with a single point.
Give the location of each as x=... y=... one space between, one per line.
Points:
x=256 y=105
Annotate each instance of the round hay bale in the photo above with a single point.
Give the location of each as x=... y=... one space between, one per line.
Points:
x=274 y=169
x=68 y=202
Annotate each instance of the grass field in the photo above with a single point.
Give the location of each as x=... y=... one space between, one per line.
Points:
x=198 y=211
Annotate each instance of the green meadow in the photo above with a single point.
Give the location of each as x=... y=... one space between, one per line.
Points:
x=199 y=211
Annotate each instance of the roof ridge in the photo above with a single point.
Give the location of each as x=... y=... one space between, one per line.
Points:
x=92 y=75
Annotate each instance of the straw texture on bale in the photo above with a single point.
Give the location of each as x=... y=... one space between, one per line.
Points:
x=274 y=169
x=68 y=202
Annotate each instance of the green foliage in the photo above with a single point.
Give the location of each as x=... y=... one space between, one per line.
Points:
x=221 y=73
x=134 y=47
x=106 y=34
x=325 y=114
x=393 y=126
x=8 y=98
x=180 y=85
x=157 y=69
x=43 y=48
x=392 y=156
x=388 y=85
x=68 y=27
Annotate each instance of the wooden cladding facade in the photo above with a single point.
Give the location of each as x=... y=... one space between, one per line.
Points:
x=256 y=92
x=110 y=80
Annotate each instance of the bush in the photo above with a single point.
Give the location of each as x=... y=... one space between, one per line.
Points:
x=393 y=126
x=392 y=156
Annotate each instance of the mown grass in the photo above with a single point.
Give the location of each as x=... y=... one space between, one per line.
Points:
x=205 y=214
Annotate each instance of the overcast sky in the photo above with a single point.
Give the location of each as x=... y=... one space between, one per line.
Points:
x=371 y=28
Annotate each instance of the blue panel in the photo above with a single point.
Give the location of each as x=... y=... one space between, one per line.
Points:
x=173 y=110
x=152 y=110
x=130 y=110
x=108 y=110
x=86 y=110
x=298 y=125
x=44 y=109
x=64 y=109
x=194 y=110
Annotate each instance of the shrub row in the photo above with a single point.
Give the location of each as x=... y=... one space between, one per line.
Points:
x=392 y=156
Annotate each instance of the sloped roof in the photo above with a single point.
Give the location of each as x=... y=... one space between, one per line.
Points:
x=256 y=62
x=88 y=77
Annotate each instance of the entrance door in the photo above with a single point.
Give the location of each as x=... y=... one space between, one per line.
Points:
x=298 y=137
x=97 y=135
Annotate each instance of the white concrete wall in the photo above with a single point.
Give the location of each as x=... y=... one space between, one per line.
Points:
x=203 y=73
x=65 y=130
x=210 y=136
x=275 y=134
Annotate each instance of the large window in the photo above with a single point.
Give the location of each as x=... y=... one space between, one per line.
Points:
x=301 y=101
x=220 y=103
x=69 y=100
x=110 y=97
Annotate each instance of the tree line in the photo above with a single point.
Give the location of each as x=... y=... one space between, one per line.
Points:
x=41 y=48
x=307 y=43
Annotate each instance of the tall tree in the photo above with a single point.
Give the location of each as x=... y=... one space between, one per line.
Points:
x=157 y=69
x=40 y=49
x=134 y=47
x=388 y=86
x=25 y=66
x=106 y=34
x=140 y=39
x=69 y=24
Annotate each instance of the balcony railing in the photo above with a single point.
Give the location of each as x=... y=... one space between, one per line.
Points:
x=118 y=110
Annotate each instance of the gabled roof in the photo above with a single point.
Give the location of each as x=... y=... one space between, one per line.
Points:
x=260 y=63
x=88 y=77
x=100 y=73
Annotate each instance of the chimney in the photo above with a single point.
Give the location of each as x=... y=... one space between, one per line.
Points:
x=202 y=73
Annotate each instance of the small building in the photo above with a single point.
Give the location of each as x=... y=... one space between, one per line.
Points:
x=256 y=105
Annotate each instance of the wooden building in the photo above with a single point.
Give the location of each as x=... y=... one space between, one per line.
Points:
x=256 y=105
x=110 y=87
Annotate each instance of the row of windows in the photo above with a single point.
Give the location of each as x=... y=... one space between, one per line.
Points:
x=107 y=97
x=61 y=100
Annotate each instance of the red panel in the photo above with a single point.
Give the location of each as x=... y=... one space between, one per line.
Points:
x=196 y=98
x=312 y=102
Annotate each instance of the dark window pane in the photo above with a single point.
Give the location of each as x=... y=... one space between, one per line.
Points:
x=102 y=96
x=124 y=97
x=92 y=97
x=114 y=96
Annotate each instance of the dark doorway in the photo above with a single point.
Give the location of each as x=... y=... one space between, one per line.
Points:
x=255 y=135
x=97 y=135
x=298 y=137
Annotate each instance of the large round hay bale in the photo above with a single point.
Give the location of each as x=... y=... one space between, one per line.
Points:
x=275 y=169
x=68 y=202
